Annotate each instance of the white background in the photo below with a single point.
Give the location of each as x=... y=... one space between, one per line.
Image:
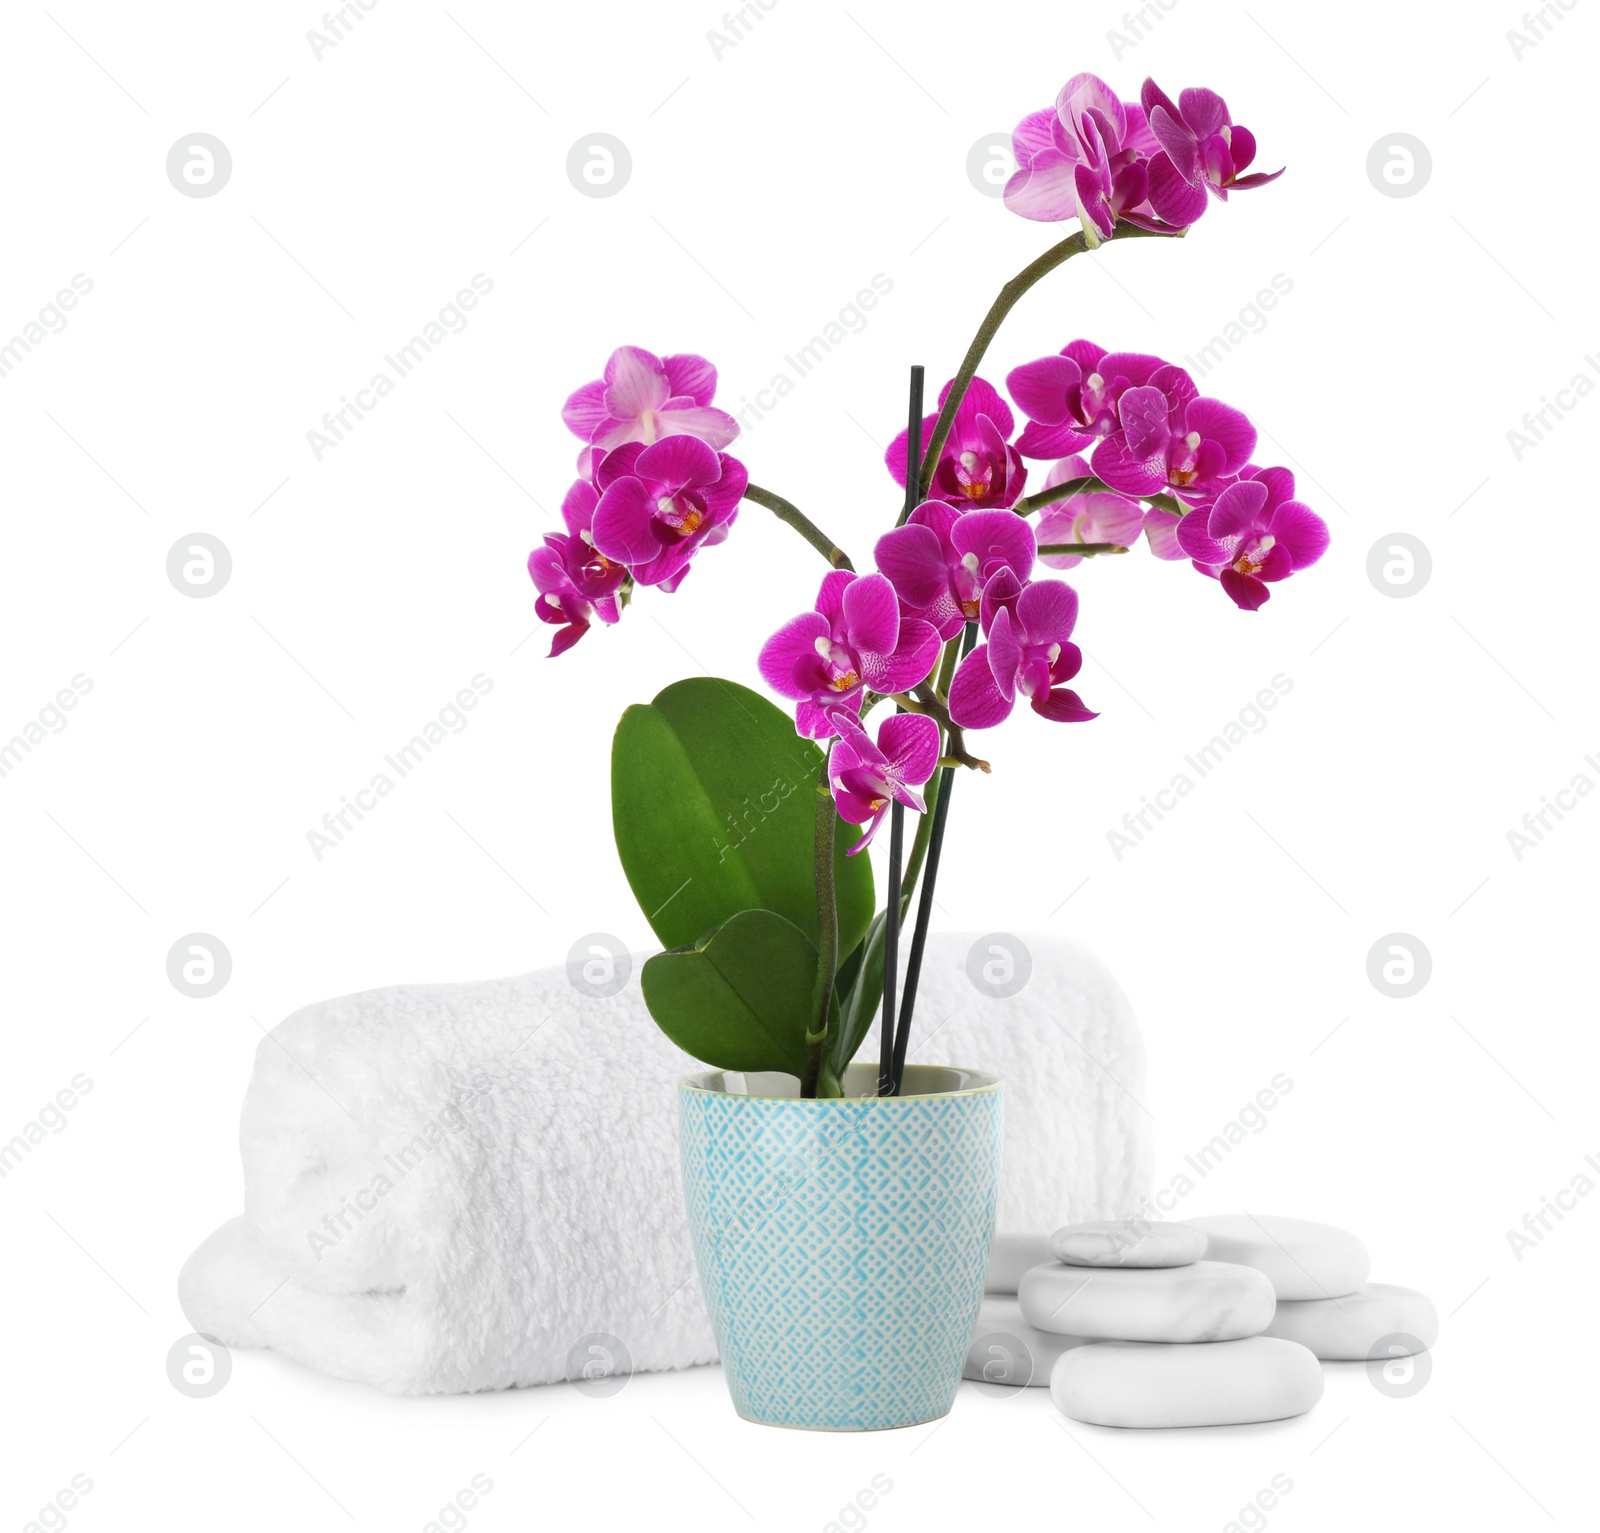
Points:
x=769 y=185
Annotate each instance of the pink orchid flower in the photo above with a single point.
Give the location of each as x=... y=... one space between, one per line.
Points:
x=1171 y=441
x=1098 y=516
x=660 y=504
x=854 y=639
x=643 y=398
x=1029 y=654
x=1070 y=399
x=1255 y=532
x=1086 y=159
x=1202 y=151
x=941 y=560
x=866 y=776
x=978 y=467
x=576 y=583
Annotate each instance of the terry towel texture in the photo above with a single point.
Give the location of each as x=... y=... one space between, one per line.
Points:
x=450 y=1187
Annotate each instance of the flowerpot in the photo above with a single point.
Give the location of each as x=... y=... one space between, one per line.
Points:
x=842 y=1243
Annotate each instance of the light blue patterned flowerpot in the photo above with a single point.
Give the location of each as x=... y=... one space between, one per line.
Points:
x=842 y=1244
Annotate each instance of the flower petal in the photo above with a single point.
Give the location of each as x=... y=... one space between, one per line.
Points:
x=910 y=741
x=1040 y=388
x=997 y=538
x=1161 y=532
x=1005 y=652
x=1038 y=441
x=1122 y=470
x=1175 y=199
x=895 y=456
x=1204 y=111
x=1001 y=593
x=1195 y=540
x=690 y=375
x=1230 y=429
x=1033 y=135
x=1087 y=92
x=1248 y=593
x=585 y=410
x=1063 y=706
x=1144 y=414
x=1299 y=529
x=913 y=658
x=713 y=426
x=625 y=525
x=577 y=507
x=1238 y=509
x=1047 y=611
x=794 y=641
x=635 y=382
x=975 y=701
x=981 y=399
x=679 y=461
x=872 y=614
x=830 y=597
x=617 y=464
x=1044 y=190
x=914 y=563
x=565 y=638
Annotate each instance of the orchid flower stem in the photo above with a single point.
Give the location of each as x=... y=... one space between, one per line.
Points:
x=1088 y=485
x=814 y=535
x=939 y=813
x=1085 y=485
x=1007 y=300
x=1085 y=550
x=827 y=936
x=947 y=670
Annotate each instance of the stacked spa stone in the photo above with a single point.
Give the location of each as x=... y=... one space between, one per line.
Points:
x=1211 y=1322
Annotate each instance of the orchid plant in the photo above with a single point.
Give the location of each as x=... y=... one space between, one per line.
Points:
x=774 y=958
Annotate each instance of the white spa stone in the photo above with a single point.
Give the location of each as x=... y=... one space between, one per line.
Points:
x=1304 y=1259
x=1007 y=1350
x=1344 y=1330
x=1220 y=1383
x=1205 y=1301
x=1010 y=1257
x=1128 y=1243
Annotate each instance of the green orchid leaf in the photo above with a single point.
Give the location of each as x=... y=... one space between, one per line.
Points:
x=713 y=804
x=741 y=998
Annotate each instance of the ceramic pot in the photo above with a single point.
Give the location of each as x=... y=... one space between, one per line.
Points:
x=842 y=1243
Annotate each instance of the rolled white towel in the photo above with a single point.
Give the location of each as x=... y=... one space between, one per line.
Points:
x=455 y=1187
